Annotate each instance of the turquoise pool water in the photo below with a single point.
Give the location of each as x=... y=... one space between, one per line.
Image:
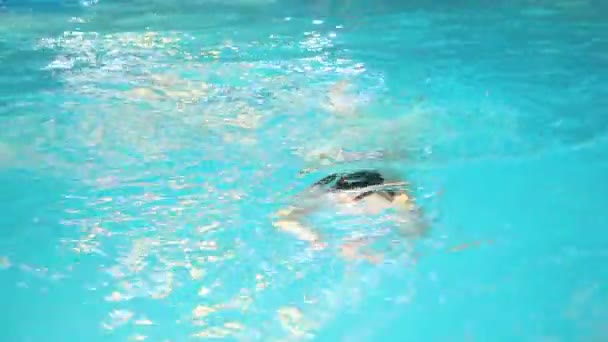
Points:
x=144 y=146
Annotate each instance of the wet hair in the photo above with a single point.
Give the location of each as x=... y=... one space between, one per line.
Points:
x=356 y=180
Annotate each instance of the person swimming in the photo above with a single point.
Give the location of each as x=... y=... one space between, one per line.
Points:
x=359 y=192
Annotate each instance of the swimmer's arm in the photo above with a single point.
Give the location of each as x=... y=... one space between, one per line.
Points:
x=409 y=216
x=291 y=220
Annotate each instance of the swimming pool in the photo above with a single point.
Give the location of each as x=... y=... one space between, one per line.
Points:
x=144 y=146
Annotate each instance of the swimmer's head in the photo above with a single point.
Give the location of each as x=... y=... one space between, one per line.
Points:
x=351 y=181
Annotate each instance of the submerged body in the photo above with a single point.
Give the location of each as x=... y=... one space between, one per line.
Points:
x=362 y=192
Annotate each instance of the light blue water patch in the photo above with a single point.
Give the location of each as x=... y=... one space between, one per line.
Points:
x=146 y=146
